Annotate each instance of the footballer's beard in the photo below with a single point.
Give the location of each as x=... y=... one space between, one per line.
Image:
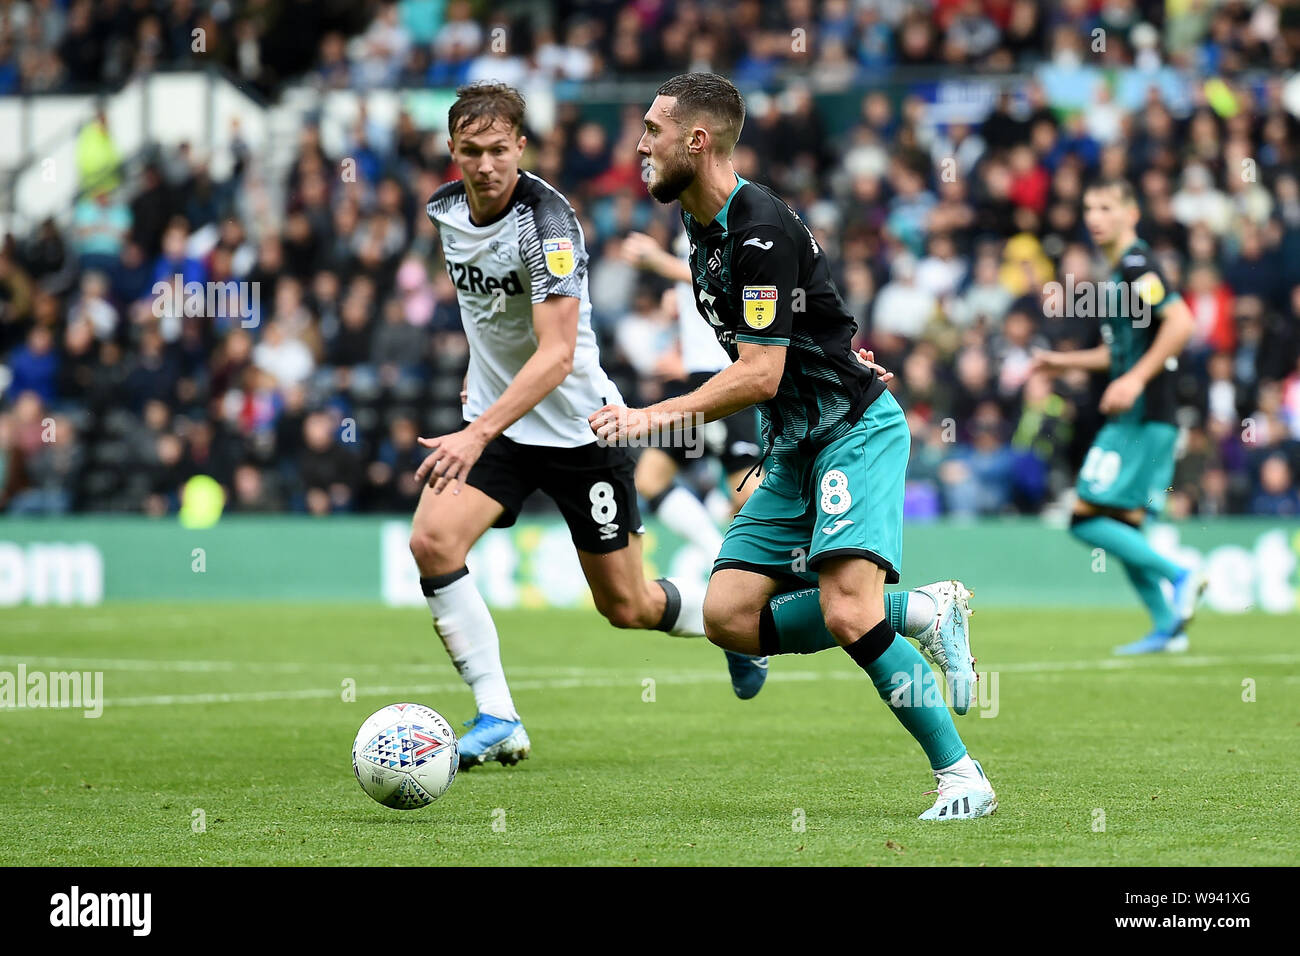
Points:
x=673 y=177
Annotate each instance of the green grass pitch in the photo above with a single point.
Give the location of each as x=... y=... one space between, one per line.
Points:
x=237 y=711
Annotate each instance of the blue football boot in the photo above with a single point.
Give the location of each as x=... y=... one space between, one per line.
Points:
x=491 y=738
x=1156 y=643
x=747 y=673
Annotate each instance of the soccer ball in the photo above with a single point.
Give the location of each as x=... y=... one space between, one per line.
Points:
x=405 y=756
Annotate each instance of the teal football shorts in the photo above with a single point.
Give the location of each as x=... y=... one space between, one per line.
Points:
x=844 y=500
x=1130 y=465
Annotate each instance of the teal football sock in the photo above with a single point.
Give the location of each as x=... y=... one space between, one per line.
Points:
x=792 y=623
x=907 y=683
x=896 y=610
x=1126 y=543
x=1152 y=594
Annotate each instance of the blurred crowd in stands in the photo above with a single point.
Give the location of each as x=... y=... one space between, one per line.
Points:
x=306 y=390
x=67 y=45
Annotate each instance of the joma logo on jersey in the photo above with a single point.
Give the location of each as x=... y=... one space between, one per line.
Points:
x=469 y=278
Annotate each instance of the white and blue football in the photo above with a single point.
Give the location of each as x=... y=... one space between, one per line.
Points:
x=405 y=756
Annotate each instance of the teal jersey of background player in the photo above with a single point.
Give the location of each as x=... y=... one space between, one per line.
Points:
x=759 y=276
x=1130 y=321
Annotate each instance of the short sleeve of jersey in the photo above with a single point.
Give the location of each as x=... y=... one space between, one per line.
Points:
x=764 y=275
x=551 y=242
x=1144 y=277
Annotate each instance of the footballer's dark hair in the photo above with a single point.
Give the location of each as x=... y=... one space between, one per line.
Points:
x=478 y=105
x=708 y=95
x=1123 y=188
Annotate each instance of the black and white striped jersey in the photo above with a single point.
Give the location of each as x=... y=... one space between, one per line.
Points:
x=533 y=249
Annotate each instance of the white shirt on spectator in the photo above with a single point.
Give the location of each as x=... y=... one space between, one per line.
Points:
x=990 y=301
x=903 y=308
x=564 y=62
x=510 y=70
x=940 y=277
x=288 y=361
x=1210 y=208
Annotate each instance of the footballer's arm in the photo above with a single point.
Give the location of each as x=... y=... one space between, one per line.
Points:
x=645 y=253
x=1176 y=326
x=1095 y=359
x=754 y=377
x=555 y=322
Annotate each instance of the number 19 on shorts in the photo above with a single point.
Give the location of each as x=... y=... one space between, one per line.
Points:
x=1100 y=468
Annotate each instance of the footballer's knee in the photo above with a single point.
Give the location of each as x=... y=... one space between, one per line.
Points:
x=1083 y=511
x=623 y=610
x=436 y=552
x=730 y=623
x=847 y=617
x=624 y=614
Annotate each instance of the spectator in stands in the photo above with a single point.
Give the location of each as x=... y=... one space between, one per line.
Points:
x=34 y=367
x=1277 y=495
x=903 y=308
x=101 y=224
x=390 y=478
x=329 y=472
x=283 y=356
x=358 y=316
x=254 y=493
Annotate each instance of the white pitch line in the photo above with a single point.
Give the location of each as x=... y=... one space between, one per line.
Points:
x=577 y=678
x=97 y=624
x=134 y=664
x=1154 y=660
x=293 y=667
x=393 y=691
x=267 y=667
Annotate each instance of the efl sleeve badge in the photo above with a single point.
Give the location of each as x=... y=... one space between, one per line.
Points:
x=1149 y=288
x=559 y=257
x=760 y=305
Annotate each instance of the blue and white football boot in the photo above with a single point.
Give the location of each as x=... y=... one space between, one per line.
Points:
x=748 y=673
x=491 y=738
x=964 y=793
x=1156 y=643
x=947 y=641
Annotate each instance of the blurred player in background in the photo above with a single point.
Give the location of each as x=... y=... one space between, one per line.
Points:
x=1130 y=465
x=516 y=253
x=732 y=441
x=830 y=508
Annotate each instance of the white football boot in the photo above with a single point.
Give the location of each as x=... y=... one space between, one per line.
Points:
x=964 y=793
x=1188 y=591
x=947 y=641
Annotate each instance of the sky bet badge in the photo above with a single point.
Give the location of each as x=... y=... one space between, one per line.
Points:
x=1149 y=288
x=559 y=257
x=760 y=305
